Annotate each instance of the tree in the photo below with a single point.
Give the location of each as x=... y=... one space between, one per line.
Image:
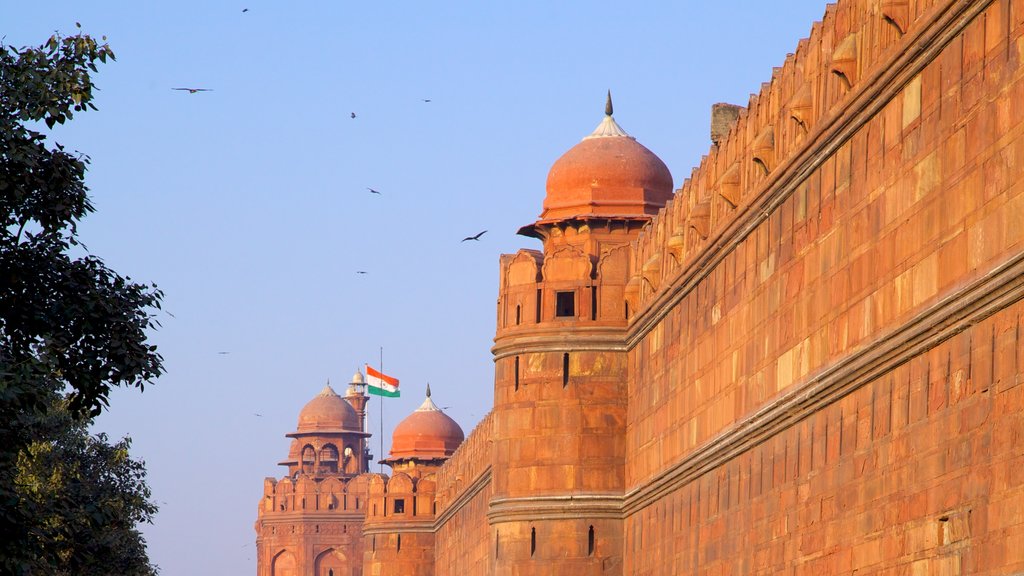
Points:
x=70 y=328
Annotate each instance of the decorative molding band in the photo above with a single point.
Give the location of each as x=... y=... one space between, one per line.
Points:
x=872 y=94
x=583 y=338
x=481 y=482
x=404 y=526
x=946 y=318
x=567 y=507
x=293 y=516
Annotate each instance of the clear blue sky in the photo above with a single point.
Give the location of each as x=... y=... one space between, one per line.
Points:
x=249 y=207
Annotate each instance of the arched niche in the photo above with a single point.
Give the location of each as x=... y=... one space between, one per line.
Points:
x=284 y=564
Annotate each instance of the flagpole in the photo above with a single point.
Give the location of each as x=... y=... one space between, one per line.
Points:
x=380 y=462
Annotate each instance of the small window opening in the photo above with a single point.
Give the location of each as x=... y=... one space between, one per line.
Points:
x=565 y=304
x=373 y=544
x=533 y=541
x=517 y=373
x=344 y=528
x=593 y=302
x=317 y=528
x=627 y=309
x=399 y=505
x=374 y=510
x=357 y=502
x=414 y=506
x=539 y=292
x=398 y=545
x=497 y=536
x=435 y=508
x=303 y=503
x=330 y=572
x=590 y=542
x=565 y=370
x=518 y=314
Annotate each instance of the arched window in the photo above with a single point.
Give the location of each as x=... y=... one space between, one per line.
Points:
x=329 y=459
x=590 y=541
x=533 y=541
x=308 y=459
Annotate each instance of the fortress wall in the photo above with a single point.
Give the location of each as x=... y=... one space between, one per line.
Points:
x=464 y=540
x=827 y=370
x=921 y=203
x=918 y=472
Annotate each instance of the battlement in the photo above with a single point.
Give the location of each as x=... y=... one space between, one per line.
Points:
x=853 y=63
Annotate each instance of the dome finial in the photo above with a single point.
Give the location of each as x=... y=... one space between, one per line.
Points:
x=428 y=389
x=608 y=104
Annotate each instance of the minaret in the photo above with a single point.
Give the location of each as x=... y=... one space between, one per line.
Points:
x=561 y=365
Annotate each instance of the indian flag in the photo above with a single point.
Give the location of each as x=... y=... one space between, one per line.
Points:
x=380 y=384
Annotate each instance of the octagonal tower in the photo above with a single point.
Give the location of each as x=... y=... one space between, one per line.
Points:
x=560 y=361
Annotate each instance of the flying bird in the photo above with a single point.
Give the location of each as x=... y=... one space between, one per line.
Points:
x=353 y=114
x=223 y=352
x=372 y=191
x=477 y=237
x=426 y=100
x=257 y=414
x=360 y=271
x=244 y=10
x=194 y=90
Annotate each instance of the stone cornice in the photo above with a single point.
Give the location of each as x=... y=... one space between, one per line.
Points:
x=921 y=46
x=404 y=526
x=301 y=516
x=563 y=507
x=574 y=338
x=942 y=320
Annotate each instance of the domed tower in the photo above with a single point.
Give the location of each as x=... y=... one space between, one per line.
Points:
x=310 y=521
x=398 y=536
x=560 y=361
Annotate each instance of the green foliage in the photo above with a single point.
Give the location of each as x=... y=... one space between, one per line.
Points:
x=87 y=496
x=70 y=328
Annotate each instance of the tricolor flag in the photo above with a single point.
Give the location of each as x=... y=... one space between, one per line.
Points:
x=381 y=384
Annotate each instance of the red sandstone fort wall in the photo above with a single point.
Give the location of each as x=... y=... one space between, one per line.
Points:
x=464 y=544
x=824 y=362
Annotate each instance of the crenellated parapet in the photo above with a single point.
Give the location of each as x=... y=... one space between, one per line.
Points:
x=853 y=62
x=469 y=466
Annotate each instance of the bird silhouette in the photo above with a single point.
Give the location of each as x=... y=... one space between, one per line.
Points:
x=353 y=114
x=477 y=237
x=427 y=100
x=194 y=90
x=223 y=352
x=360 y=271
x=244 y=10
x=257 y=414
x=372 y=191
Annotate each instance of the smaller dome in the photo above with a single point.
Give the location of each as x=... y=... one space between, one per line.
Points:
x=427 y=433
x=607 y=175
x=328 y=412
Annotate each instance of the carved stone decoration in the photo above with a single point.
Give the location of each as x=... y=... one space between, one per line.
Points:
x=676 y=246
x=700 y=218
x=729 y=185
x=764 y=149
x=844 y=60
x=801 y=107
x=897 y=13
x=652 y=271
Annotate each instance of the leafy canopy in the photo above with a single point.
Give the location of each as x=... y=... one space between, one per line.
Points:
x=70 y=330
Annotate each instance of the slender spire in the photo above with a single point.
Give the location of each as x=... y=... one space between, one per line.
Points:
x=428 y=389
x=608 y=104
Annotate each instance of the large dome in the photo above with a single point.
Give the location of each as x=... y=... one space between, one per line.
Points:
x=427 y=433
x=327 y=412
x=608 y=174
